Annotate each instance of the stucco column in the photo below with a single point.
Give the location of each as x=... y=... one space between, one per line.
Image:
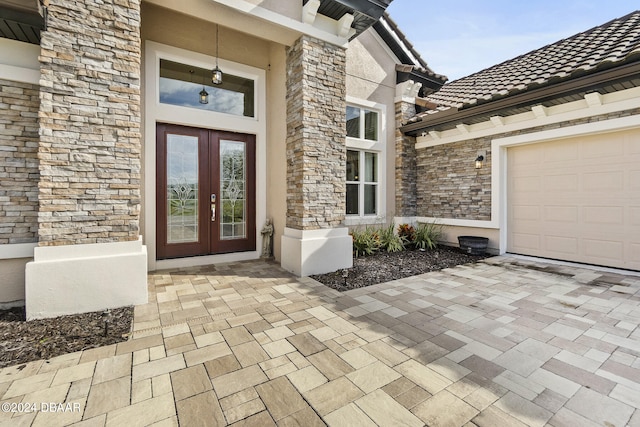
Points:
x=90 y=256
x=406 y=168
x=315 y=240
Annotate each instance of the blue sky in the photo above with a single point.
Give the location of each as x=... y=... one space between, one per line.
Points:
x=460 y=37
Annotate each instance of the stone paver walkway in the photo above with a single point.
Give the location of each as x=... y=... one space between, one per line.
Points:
x=246 y=344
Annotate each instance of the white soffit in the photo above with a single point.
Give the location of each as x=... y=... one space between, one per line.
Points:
x=589 y=106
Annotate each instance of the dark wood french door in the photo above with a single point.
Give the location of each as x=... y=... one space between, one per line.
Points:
x=205 y=192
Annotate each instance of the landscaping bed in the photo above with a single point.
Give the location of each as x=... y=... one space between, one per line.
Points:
x=386 y=266
x=22 y=341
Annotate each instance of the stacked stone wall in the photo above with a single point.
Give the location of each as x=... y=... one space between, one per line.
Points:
x=18 y=162
x=406 y=167
x=449 y=186
x=316 y=135
x=90 y=149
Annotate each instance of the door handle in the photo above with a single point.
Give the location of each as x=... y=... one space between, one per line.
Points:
x=213 y=207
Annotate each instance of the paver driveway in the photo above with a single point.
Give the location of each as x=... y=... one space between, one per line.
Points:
x=246 y=344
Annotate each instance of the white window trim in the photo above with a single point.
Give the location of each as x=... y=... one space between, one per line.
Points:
x=380 y=148
x=155 y=112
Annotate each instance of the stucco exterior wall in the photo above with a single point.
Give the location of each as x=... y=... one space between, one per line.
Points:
x=276 y=149
x=19 y=174
x=12 y=283
x=197 y=35
x=371 y=76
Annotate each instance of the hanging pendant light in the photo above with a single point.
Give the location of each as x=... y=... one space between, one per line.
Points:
x=204 y=96
x=216 y=73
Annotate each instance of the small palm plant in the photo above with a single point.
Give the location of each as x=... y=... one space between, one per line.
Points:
x=427 y=235
x=391 y=241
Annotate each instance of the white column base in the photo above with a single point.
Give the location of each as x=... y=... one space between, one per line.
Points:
x=307 y=252
x=83 y=278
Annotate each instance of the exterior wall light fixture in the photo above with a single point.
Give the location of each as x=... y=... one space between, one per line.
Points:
x=479 y=161
x=216 y=73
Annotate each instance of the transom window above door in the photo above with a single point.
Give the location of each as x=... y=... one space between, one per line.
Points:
x=188 y=86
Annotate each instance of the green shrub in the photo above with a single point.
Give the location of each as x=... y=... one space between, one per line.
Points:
x=427 y=235
x=390 y=241
x=365 y=242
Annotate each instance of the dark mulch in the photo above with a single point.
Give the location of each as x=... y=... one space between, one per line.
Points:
x=384 y=267
x=22 y=341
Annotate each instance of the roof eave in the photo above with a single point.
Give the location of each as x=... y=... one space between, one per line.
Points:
x=530 y=97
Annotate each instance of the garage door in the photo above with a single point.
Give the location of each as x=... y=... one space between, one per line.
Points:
x=577 y=199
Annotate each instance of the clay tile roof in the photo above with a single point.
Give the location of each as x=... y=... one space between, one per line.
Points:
x=614 y=43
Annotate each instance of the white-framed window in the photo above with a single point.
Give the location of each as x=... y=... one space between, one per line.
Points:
x=362 y=183
x=365 y=160
x=362 y=123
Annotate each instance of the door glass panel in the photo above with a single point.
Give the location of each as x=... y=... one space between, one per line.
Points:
x=181 y=84
x=232 y=187
x=182 y=188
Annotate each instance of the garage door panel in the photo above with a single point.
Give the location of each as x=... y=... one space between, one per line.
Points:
x=603 y=181
x=565 y=214
x=526 y=156
x=563 y=245
x=564 y=182
x=528 y=184
x=526 y=213
x=603 y=215
x=528 y=242
x=603 y=249
x=593 y=148
x=634 y=215
x=561 y=152
x=634 y=251
x=634 y=180
x=577 y=199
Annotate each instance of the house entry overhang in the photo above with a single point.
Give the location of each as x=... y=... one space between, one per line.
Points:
x=365 y=12
x=22 y=20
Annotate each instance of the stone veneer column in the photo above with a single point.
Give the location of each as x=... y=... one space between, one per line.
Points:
x=90 y=255
x=315 y=240
x=406 y=168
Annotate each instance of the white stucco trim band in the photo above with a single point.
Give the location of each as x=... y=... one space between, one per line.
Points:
x=65 y=279
x=589 y=106
x=19 y=61
x=17 y=250
x=457 y=222
x=306 y=252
